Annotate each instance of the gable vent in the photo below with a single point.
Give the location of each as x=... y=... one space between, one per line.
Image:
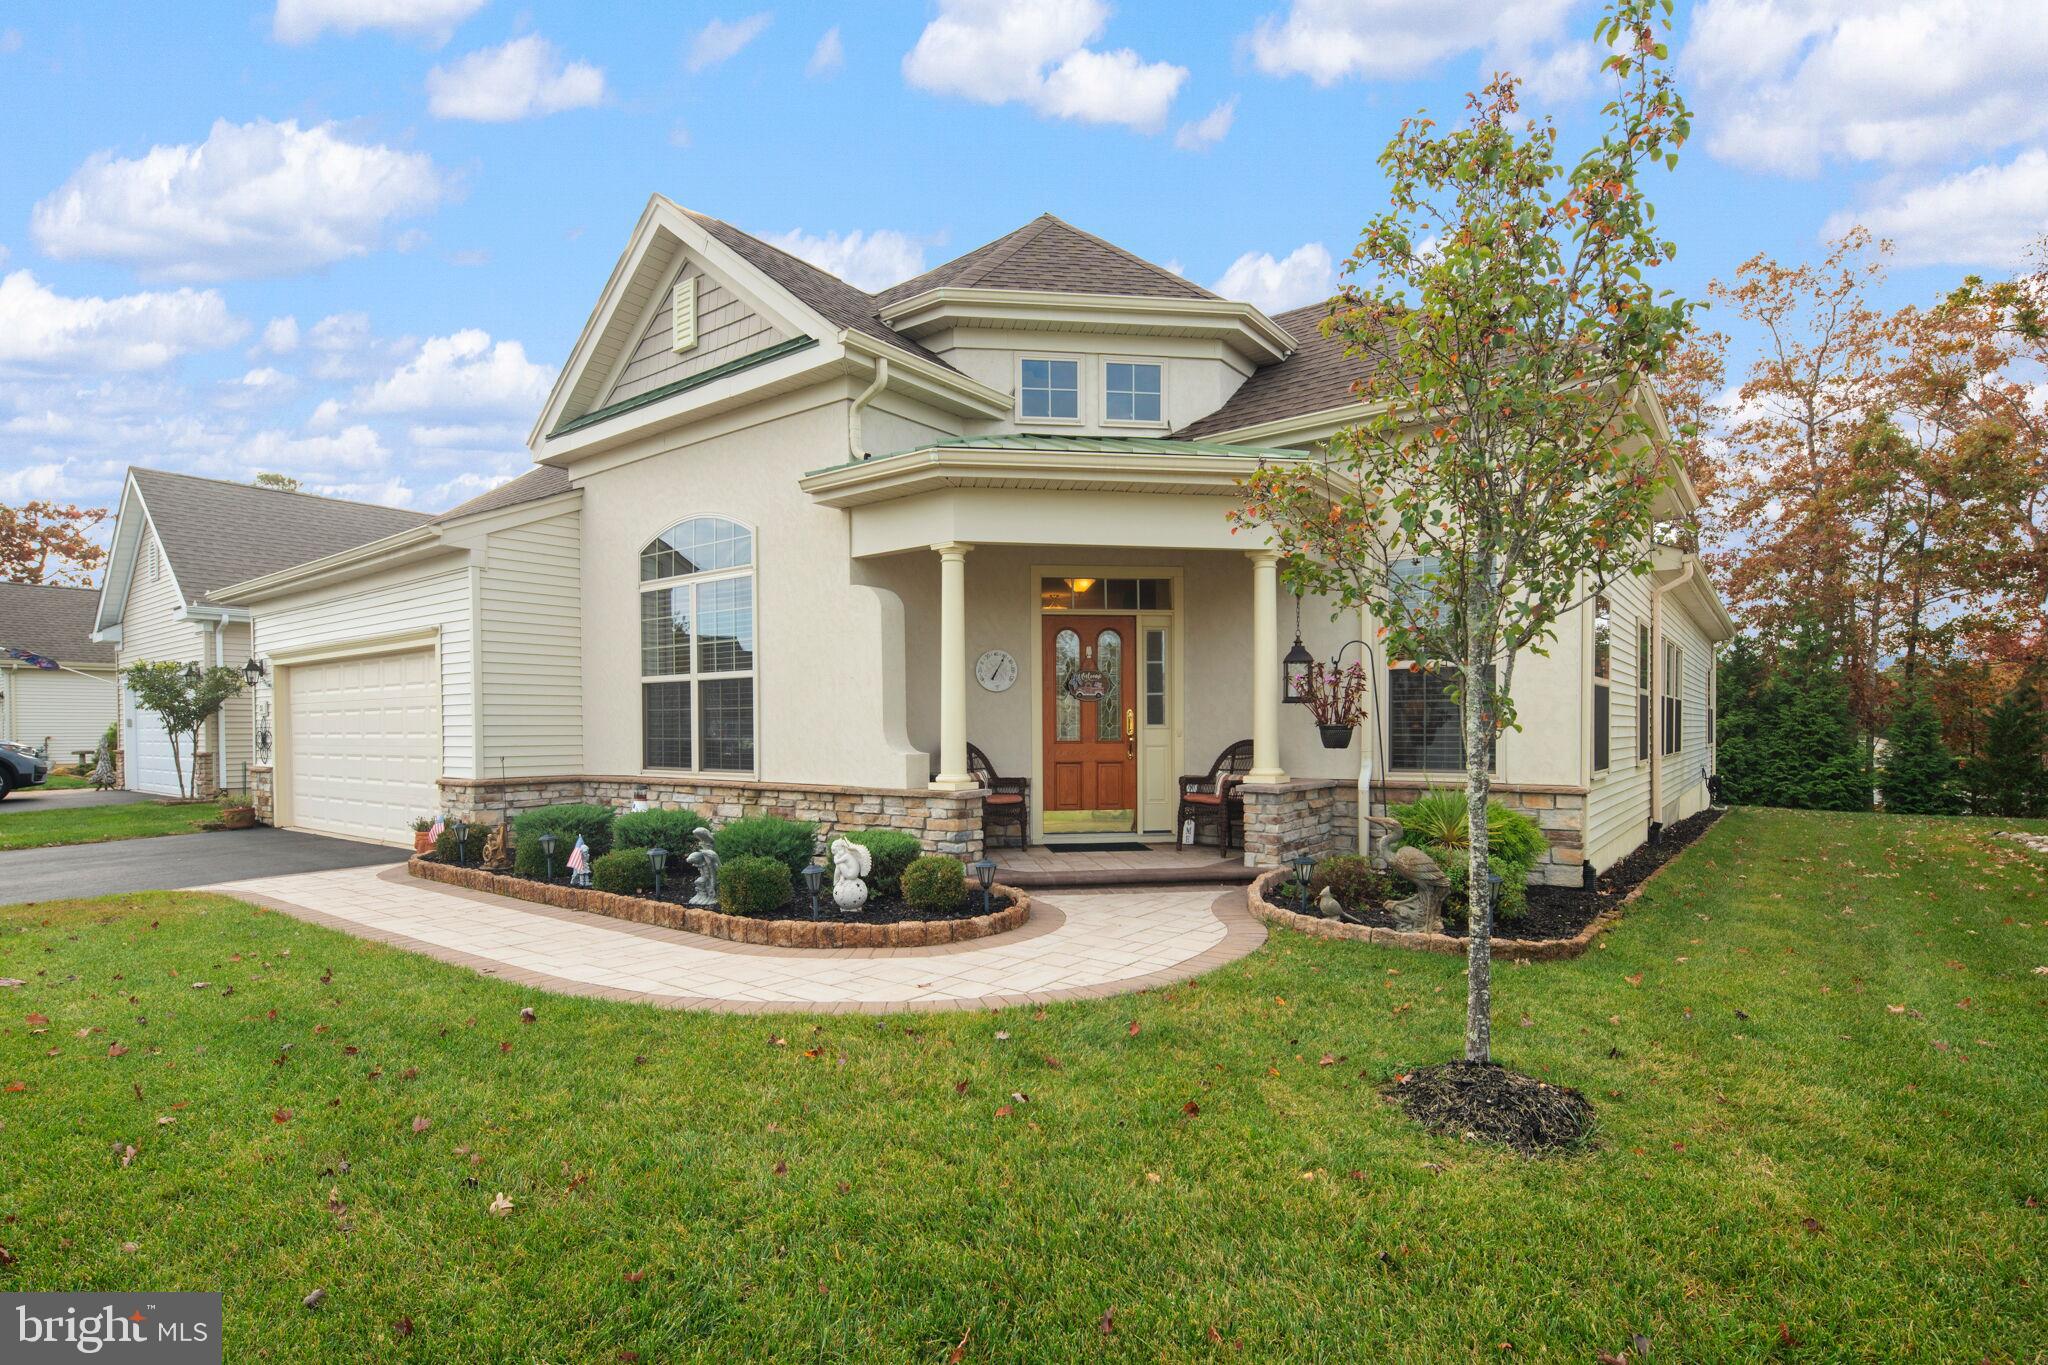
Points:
x=683 y=315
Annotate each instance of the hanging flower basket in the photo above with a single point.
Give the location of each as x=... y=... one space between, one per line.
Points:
x=1335 y=694
x=1336 y=736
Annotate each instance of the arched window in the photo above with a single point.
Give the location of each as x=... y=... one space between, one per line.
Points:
x=697 y=647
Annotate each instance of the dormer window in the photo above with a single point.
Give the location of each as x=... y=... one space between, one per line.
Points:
x=1130 y=393
x=1049 y=390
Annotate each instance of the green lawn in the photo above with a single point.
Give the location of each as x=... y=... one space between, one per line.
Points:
x=66 y=782
x=98 y=824
x=1817 y=1045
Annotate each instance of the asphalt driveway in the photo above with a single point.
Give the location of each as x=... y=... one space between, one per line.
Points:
x=175 y=861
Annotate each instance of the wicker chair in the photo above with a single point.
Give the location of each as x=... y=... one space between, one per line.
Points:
x=1008 y=801
x=1211 y=797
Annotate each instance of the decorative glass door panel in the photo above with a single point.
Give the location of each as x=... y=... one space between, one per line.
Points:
x=1091 y=725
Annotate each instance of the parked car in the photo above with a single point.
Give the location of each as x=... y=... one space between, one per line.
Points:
x=21 y=766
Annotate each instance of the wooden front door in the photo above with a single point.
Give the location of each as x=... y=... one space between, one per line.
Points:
x=1091 y=750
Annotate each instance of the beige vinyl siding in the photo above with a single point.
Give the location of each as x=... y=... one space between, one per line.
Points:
x=69 y=711
x=1618 y=801
x=150 y=626
x=430 y=596
x=533 y=649
x=1685 y=790
x=236 y=721
x=727 y=329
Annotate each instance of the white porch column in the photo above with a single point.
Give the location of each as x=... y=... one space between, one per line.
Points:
x=1265 y=654
x=953 y=774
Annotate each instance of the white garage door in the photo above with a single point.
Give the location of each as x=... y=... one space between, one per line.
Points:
x=365 y=737
x=147 y=751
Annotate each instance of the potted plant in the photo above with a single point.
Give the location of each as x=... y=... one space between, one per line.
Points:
x=1335 y=694
x=422 y=834
x=238 y=812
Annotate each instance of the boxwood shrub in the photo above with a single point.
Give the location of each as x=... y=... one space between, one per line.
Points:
x=623 y=872
x=752 y=885
x=669 y=829
x=789 y=842
x=565 y=822
x=935 y=884
x=892 y=850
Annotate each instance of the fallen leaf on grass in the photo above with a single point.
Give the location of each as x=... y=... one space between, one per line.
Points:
x=402 y=1328
x=116 y=1050
x=1153 y=1177
x=281 y=1116
x=500 y=1206
x=781 y=1168
x=634 y=1276
x=314 y=1299
x=1813 y=1226
x=130 y=1248
x=7 y=1257
x=1134 y=1028
x=1108 y=1324
x=959 y=1351
x=1191 y=1109
x=37 y=1019
x=421 y=1123
x=526 y=1015
x=13 y=1086
x=1002 y=1111
x=127 y=1156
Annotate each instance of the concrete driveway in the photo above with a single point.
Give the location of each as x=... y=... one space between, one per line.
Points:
x=43 y=798
x=176 y=861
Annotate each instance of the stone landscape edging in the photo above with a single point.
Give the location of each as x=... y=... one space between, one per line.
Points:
x=1512 y=949
x=767 y=933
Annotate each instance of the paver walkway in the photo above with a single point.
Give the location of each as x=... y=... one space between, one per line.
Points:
x=1077 y=945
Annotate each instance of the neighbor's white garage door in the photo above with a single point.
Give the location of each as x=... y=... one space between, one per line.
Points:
x=147 y=752
x=365 y=737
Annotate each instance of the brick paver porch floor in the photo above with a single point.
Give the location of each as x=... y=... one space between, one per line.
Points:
x=1078 y=944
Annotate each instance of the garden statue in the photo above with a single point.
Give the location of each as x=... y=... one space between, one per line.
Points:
x=850 y=863
x=496 y=856
x=1423 y=910
x=103 y=770
x=1328 y=903
x=705 y=860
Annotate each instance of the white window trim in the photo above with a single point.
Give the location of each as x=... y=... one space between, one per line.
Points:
x=1081 y=395
x=1645 y=702
x=1102 y=379
x=751 y=570
x=1596 y=682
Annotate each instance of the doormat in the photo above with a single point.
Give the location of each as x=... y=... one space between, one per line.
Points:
x=1103 y=846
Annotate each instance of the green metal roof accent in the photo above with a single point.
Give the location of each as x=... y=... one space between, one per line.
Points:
x=641 y=400
x=1087 y=445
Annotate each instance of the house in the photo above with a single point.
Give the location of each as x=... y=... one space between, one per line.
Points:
x=66 y=697
x=794 y=546
x=178 y=539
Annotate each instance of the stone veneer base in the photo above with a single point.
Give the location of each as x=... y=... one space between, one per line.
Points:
x=1511 y=949
x=768 y=933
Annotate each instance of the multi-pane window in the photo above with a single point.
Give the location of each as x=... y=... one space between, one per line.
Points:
x=1674 y=702
x=1155 y=677
x=1425 y=727
x=1130 y=392
x=1050 y=388
x=1642 y=693
x=697 y=647
x=1603 y=669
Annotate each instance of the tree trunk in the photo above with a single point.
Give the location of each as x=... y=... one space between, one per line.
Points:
x=177 y=764
x=1478 y=787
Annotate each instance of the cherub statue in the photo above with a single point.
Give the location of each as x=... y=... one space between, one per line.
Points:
x=850 y=863
x=1424 y=910
x=705 y=859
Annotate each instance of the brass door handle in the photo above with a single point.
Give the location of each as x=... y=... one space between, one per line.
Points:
x=1130 y=732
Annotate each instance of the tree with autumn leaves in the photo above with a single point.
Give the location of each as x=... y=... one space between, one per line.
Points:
x=48 y=542
x=1503 y=315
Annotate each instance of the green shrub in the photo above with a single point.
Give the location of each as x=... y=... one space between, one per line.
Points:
x=1919 y=776
x=669 y=829
x=1514 y=885
x=789 y=842
x=892 y=850
x=1351 y=879
x=624 y=872
x=752 y=885
x=565 y=822
x=935 y=884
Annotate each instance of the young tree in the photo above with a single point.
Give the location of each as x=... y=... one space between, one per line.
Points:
x=2009 y=779
x=1810 y=757
x=184 y=697
x=1919 y=775
x=47 y=542
x=1506 y=328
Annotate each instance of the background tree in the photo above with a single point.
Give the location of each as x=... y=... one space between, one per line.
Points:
x=47 y=542
x=1919 y=776
x=2009 y=779
x=184 y=697
x=1744 y=719
x=282 y=482
x=1809 y=755
x=1505 y=324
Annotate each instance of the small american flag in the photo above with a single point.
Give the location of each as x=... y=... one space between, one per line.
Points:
x=440 y=828
x=32 y=660
x=579 y=856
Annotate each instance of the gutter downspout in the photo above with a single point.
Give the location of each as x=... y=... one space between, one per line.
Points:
x=867 y=395
x=220 y=721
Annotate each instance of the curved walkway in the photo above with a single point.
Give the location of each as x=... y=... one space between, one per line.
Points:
x=1078 y=945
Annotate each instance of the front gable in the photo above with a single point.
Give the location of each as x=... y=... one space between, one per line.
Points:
x=136 y=565
x=727 y=327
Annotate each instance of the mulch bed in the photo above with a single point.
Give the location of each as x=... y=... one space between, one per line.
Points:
x=1479 y=1101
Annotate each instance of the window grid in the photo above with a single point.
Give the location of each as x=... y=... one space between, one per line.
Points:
x=1130 y=392
x=1674 y=703
x=1603 y=669
x=1642 y=693
x=1425 y=728
x=697 y=652
x=1050 y=389
x=1155 y=677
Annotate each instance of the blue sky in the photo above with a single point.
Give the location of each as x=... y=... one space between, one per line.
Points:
x=352 y=239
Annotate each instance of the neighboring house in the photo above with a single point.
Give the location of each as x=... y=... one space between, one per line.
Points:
x=69 y=707
x=177 y=539
x=793 y=546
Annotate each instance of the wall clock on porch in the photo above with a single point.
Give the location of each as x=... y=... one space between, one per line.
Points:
x=996 y=670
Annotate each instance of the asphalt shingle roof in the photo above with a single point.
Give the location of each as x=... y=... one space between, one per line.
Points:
x=216 y=533
x=53 y=622
x=1316 y=378
x=542 y=481
x=1051 y=254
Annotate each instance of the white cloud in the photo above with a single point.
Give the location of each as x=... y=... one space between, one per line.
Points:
x=42 y=329
x=866 y=260
x=355 y=448
x=995 y=52
x=520 y=79
x=433 y=21
x=828 y=56
x=1985 y=216
x=466 y=372
x=1330 y=40
x=1788 y=85
x=461 y=435
x=1208 y=130
x=264 y=384
x=1305 y=275
x=280 y=336
x=678 y=138
x=343 y=347
x=719 y=41
x=254 y=199
x=49 y=480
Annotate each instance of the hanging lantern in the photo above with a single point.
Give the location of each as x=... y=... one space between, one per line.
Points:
x=1296 y=666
